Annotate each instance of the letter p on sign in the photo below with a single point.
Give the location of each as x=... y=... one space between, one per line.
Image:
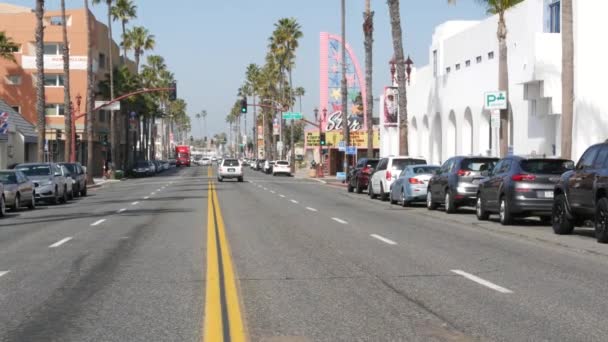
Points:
x=495 y=100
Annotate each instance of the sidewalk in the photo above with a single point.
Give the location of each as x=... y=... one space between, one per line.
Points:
x=329 y=180
x=98 y=182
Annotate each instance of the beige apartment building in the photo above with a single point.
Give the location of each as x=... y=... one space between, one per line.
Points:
x=18 y=80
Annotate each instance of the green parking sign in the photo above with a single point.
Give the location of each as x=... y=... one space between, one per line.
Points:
x=495 y=100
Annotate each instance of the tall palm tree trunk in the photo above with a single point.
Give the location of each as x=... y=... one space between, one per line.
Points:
x=41 y=118
x=567 y=78
x=90 y=96
x=113 y=142
x=503 y=82
x=368 y=30
x=393 y=7
x=345 y=127
x=66 y=87
x=292 y=158
x=124 y=48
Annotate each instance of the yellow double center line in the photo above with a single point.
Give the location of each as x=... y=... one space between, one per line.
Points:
x=223 y=320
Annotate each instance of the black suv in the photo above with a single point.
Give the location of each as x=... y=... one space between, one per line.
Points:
x=582 y=194
x=358 y=177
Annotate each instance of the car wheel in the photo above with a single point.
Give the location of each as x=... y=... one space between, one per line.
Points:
x=220 y=179
x=55 y=199
x=64 y=198
x=383 y=195
x=504 y=212
x=390 y=197
x=241 y=179
x=76 y=193
x=32 y=204
x=350 y=188
x=562 y=225
x=404 y=202
x=83 y=192
x=601 y=220
x=17 y=205
x=450 y=208
x=2 y=206
x=370 y=191
x=358 y=186
x=70 y=194
x=430 y=205
x=480 y=211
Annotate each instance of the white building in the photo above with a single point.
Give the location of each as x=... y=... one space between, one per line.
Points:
x=445 y=98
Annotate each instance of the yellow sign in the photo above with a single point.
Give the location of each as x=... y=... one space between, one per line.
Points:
x=357 y=138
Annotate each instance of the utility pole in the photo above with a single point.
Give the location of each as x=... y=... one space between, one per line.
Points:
x=344 y=89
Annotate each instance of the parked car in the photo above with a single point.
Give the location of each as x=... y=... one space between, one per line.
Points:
x=519 y=187
x=18 y=190
x=49 y=180
x=69 y=181
x=358 y=177
x=230 y=168
x=172 y=163
x=143 y=168
x=2 y=201
x=582 y=194
x=412 y=184
x=457 y=181
x=386 y=172
x=79 y=175
x=268 y=165
x=281 y=167
x=259 y=166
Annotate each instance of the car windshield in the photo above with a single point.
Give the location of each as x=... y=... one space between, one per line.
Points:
x=70 y=167
x=400 y=164
x=419 y=170
x=8 y=178
x=282 y=162
x=547 y=166
x=231 y=162
x=35 y=170
x=479 y=164
x=142 y=164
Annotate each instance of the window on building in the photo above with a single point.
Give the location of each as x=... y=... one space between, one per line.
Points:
x=447 y=70
x=435 y=63
x=102 y=61
x=491 y=55
x=467 y=63
x=478 y=59
x=53 y=49
x=554 y=17
x=13 y=79
x=53 y=80
x=56 y=20
x=16 y=108
x=458 y=66
x=54 y=109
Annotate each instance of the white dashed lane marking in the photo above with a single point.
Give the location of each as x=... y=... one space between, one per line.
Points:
x=98 y=222
x=60 y=242
x=339 y=220
x=383 y=239
x=311 y=209
x=483 y=282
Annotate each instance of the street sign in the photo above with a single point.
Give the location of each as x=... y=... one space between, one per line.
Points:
x=113 y=106
x=351 y=150
x=341 y=175
x=292 y=116
x=495 y=119
x=495 y=100
x=341 y=145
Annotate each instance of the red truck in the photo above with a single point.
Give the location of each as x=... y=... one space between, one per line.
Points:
x=182 y=154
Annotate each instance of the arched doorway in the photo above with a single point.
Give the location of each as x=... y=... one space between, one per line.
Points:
x=436 y=140
x=424 y=138
x=485 y=133
x=467 y=132
x=451 y=137
x=414 y=138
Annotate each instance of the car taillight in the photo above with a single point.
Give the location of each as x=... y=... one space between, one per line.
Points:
x=388 y=175
x=522 y=177
x=415 y=181
x=463 y=172
x=366 y=170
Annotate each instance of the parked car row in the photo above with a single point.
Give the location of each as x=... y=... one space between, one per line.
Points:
x=27 y=184
x=146 y=168
x=271 y=167
x=555 y=190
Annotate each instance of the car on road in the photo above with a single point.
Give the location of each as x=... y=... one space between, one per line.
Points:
x=79 y=176
x=268 y=165
x=520 y=187
x=412 y=184
x=143 y=168
x=358 y=177
x=259 y=165
x=230 y=168
x=387 y=171
x=18 y=190
x=582 y=194
x=457 y=181
x=205 y=161
x=69 y=181
x=49 y=180
x=281 y=167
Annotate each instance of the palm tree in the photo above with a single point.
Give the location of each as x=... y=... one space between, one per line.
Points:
x=299 y=92
x=567 y=77
x=252 y=76
x=198 y=118
x=140 y=40
x=90 y=96
x=393 y=8
x=124 y=10
x=204 y=116
x=41 y=122
x=7 y=47
x=368 y=30
x=500 y=7
x=66 y=87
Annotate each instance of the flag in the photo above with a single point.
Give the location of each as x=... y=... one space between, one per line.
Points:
x=3 y=123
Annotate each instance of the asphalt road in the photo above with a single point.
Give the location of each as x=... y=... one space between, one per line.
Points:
x=289 y=259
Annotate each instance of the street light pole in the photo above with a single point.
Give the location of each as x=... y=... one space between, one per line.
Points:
x=344 y=89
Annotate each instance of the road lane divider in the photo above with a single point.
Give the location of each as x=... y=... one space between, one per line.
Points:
x=223 y=319
x=135 y=203
x=339 y=220
x=294 y=201
x=481 y=281
x=60 y=242
x=121 y=210
x=383 y=239
x=311 y=209
x=98 y=222
x=3 y=273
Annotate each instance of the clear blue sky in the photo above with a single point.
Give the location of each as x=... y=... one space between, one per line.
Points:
x=208 y=44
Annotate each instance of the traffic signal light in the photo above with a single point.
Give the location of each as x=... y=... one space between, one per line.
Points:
x=77 y=139
x=244 y=105
x=322 y=140
x=173 y=91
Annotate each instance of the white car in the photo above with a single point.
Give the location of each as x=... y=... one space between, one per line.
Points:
x=230 y=168
x=281 y=167
x=387 y=172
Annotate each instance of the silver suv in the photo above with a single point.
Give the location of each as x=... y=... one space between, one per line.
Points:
x=49 y=181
